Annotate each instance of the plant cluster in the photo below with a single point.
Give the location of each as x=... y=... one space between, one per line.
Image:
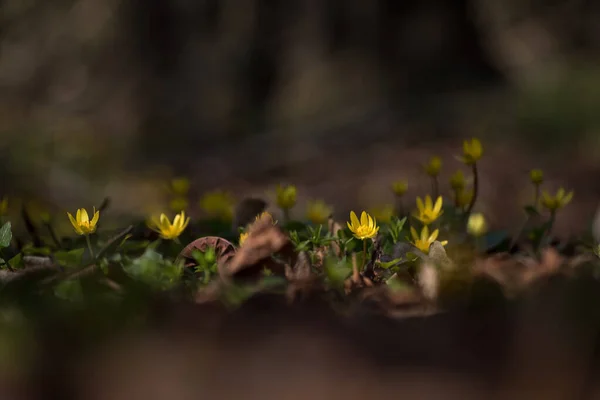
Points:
x=414 y=248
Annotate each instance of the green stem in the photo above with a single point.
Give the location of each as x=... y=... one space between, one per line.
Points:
x=434 y=187
x=475 y=189
x=89 y=244
x=364 y=253
x=399 y=207
x=286 y=214
x=53 y=234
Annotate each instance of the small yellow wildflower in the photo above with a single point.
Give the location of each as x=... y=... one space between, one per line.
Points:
x=180 y=186
x=243 y=237
x=218 y=204
x=286 y=196
x=476 y=225
x=178 y=204
x=463 y=197
x=168 y=230
x=457 y=181
x=82 y=223
x=366 y=228
x=433 y=167
x=560 y=200
x=536 y=176
x=318 y=212
x=472 y=151
x=424 y=240
x=427 y=212
x=399 y=188
x=383 y=214
x=4 y=206
x=265 y=214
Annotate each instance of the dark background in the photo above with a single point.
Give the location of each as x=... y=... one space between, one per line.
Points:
x=111 y=97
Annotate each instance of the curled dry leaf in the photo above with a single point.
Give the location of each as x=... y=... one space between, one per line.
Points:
x=263 y=241
x=397 y=304
x=515 y=274
x=224 y=250
x=429 y=281
x=334 y=228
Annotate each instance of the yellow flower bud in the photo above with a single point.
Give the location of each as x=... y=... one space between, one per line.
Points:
x=476 y=225
x=536 y=176
x=399 y=187
x=457 y=181
x=433 y=167
x=286 y=196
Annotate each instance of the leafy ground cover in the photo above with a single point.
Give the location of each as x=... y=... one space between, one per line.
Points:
x=61 y=296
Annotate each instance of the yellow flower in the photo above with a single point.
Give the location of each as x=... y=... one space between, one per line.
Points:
x=536 y=176
x=383 y=214
x=560 y=200
x=180 y=186
x=82 y=223
x=472 y=151
x=265 y=214
x=286 y=196
x=423 y=242
x=433 y=167
x=218 y=204
x=168 y=230
x=457 y=181
x=4 y=206
x=366 y=228
x=399 y=187
x=178 y=204
x=476 y=225
x=243 y=237
x=318 y=212
x=463 y=197
x=428 y=212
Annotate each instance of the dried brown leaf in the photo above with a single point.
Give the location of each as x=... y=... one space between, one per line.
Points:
x=263 y=241
x=224 y=249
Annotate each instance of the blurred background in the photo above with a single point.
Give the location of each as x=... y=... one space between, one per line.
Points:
x=340 y=97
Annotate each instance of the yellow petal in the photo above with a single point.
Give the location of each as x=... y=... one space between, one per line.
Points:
x=354 y=220
x=568 y=198
x=413 y=233
x=176 y=221
x=370 y=223
x=364 y=221
x=84 y=216
x=560 y=193
x=420 y=205
x=185 y=224
x=428 y=202
x=425 y=233
x=350 y=227
x=78 y=216
x=73 y=220
x=95 y=217
x=164 y=221
x=444 y=242
x=434 y=235
x=438 y=205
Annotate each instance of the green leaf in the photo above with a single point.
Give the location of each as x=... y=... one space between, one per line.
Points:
x=337 y=270
x=16 y=262
x=69 y=290
x=531 y=211
x=5 y=235
x=71 y=258
x=152 y=269
x=386 y=265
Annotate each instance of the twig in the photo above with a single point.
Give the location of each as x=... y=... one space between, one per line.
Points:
x=31 y=229
x=113 y=240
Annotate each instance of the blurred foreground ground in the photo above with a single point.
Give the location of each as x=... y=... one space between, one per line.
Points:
x=541 y=347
